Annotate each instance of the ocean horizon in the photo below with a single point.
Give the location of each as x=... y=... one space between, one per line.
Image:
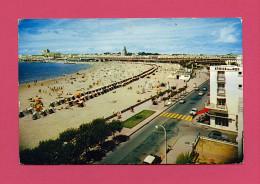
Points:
x=30 y=72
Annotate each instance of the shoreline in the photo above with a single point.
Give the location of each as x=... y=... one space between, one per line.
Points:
x=43 y=80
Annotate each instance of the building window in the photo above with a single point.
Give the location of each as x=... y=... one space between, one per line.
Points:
x=221 y=101
x=221 y=85
x=221 y=121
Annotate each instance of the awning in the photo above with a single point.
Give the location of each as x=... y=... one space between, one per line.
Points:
x=203 y=111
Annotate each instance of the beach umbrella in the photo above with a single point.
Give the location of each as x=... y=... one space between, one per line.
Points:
x=38 y=100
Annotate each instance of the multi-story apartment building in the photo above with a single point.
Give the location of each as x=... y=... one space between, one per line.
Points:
x=226 y=97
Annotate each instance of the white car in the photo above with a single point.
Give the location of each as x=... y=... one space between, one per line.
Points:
x=182 y=101
x=201 y=93
x=193 y=111
x=152 y=159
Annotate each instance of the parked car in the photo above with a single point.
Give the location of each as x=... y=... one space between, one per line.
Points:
x=193 y=111
x=218 y=135
x=196 y=88
x=152 y=159
x=204 y=89
x=201 y=93
x=182 y=101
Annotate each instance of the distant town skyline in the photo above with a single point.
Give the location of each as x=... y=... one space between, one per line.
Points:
x=209 y=36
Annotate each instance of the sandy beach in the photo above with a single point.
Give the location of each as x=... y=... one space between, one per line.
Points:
x=100 y=74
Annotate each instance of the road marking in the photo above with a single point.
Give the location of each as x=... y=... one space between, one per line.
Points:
x=179 y=116
x=183 y=116
x=169 y=114
x=190 y=119
x=162 y=114
x=176 y=115
x=187 y=117
x=172 y=115
x=165 y=114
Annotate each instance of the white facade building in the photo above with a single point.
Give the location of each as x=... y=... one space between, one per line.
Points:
x=226 y=96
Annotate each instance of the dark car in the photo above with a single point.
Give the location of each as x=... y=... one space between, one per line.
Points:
x=218 y=135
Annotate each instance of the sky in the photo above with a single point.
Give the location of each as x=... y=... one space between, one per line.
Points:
x=155 y=35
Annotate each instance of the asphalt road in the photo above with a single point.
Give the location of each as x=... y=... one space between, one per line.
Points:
x=150 y=140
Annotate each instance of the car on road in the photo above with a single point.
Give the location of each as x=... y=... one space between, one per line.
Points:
x=204 y=89
x=193 y=111
x=201 y=93
x=182 y=101
x=218 y=135
x=152 y=159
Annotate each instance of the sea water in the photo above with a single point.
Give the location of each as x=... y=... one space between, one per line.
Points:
x=29 y=72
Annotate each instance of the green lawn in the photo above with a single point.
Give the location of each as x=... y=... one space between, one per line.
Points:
x=134 y=120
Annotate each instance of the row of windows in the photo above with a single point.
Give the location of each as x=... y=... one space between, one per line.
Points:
x=221 y=121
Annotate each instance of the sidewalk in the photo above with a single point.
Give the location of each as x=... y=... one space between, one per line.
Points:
x=182 y=145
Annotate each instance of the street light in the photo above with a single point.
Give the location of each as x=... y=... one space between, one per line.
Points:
x=165 y=135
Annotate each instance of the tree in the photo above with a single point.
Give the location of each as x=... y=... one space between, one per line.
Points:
x=115 y=126
x=183 y=159
x=68 y=135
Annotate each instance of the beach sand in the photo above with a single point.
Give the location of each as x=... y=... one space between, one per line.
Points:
x=31 y=132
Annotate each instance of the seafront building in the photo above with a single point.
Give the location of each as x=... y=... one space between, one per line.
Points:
x=226 y=97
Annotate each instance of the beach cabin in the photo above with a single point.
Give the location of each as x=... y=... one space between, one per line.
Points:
x=58 y=102
x=63 y=100
x=36 y=115
x=51 y=110
x=30 y=110
x=81 y=104
x=83 y=98
x=22 y=114
x=52 y=104
x=86 y=98
x=44 y=112
x=71 y=103
x=78 y=95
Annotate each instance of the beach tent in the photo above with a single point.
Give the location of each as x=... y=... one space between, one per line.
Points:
x=51 y=110
x=63 y=100
x=44 y=112
x=83 y=98
x=22 y=114
x=36 y=115
x=39 y=108
x=71 y=103
x=82 y=94
x=81 y=104
x=52 y=104
x=58 y=102
x=78 y=95
x=30 y=110
x=86 y=98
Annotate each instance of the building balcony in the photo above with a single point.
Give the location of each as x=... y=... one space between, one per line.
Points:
x=216 y=107
x=221 y=78
x=221 y=92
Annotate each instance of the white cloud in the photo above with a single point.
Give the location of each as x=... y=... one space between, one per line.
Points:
x=227 y=35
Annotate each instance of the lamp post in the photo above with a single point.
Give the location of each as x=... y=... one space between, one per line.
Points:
x=165 y=135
